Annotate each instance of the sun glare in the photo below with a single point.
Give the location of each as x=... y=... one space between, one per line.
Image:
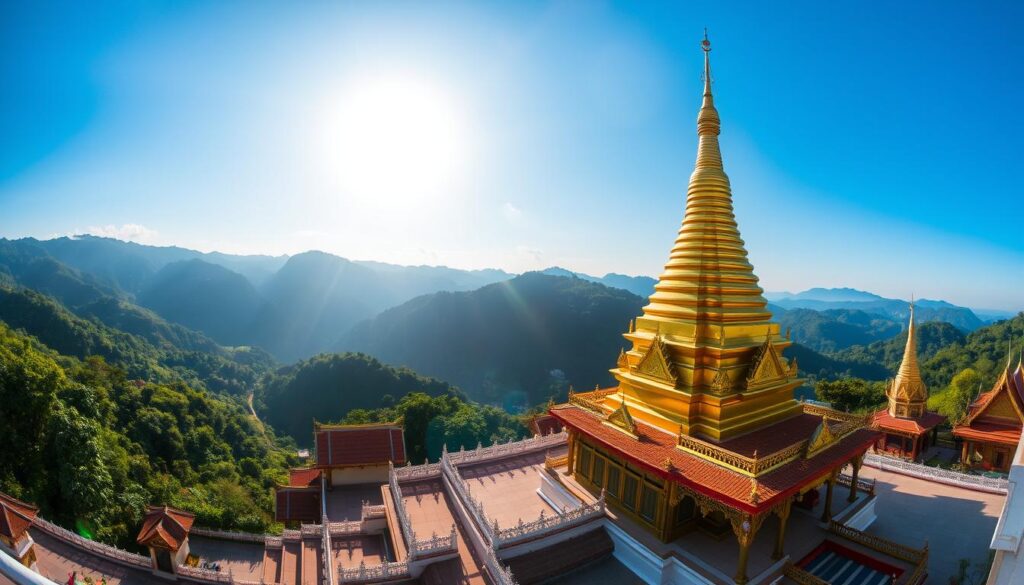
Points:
x=396 y=139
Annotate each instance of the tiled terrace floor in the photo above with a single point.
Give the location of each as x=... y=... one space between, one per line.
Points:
x=345 y=502
x=57 y=560
x=349 y=551
x=507 y=488
x=243 y=560
x=957 y=523
x=430 y=512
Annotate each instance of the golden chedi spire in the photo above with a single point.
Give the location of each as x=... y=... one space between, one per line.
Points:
x=706 y=358
x=708 y=277
x=907 y=392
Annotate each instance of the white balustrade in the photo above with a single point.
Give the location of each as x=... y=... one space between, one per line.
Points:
x=345 y=528
x=500 y=574
x=413 y=472
x=369 y=511
x=364 y=574
x=435 y=546
x=508 y=449
x=544 y=525
x=110 y=552
x=964 y=480
x=229 y=535
x=205 y=575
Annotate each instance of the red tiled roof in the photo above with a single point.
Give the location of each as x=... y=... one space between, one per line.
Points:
x=303 y=476
x=545 y=424
x=302 y=505
x=338 y=446
x=924 y=423
x=981 y=430
x=652 y=446
x=165 y=527
x=15 y=517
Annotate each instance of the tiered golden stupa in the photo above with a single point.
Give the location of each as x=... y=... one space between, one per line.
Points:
x=908 y=425
x=703 y=431
x=706 y=358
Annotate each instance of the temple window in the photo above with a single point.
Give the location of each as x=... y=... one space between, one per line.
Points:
x=629 y=489
x=584 y=468
x=614 y=480
x=649 y=503
x=598 y=471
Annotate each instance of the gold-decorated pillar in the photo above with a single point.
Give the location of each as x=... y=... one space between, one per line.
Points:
x=856 y=463
x=826 y=513
x=780 y=537
x=744 y=526
x=571 y=460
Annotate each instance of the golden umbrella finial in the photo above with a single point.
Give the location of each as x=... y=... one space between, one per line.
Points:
x=706 y=44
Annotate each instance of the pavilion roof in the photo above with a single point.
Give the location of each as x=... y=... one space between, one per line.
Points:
x=352 y=445
x=165 y=527
x=990 y=432
x=15 y=516
x=297 y=504
x=303 y=476
x=652 y=447
x=545 y=424
x=917 y=426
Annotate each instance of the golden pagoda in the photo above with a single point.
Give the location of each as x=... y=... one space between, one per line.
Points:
x=908 y=427
x=706 y=357
x=702 y=430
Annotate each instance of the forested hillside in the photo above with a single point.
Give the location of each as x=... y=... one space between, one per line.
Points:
x=328 y=386
x=233 y=371
x=515 y=343
x=90 y=445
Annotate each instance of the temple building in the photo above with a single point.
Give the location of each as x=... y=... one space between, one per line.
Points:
x=908 y=427
x=15 y=519
x=703 y=431
x=165 y=533
x=992 y=429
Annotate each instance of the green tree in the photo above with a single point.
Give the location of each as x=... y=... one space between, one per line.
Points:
x=852 y=394
x=957 y=397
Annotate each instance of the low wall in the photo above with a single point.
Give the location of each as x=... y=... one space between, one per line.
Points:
x=936 y=474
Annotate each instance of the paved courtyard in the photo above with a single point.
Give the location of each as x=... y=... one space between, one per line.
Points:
x=349 y=551
x=957 y=523
x=57 y=560
x=345 y=502
x=241 y=559
x=508 y=488
x=430 y=512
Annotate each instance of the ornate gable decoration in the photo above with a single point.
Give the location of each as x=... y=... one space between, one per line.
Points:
x=768 y=365
x=655 y=364
x=821 y=439
x=722 y=383
x=622 y=362
x=622 y=420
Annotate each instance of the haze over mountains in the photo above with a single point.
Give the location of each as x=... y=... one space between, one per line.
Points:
x=502 y=339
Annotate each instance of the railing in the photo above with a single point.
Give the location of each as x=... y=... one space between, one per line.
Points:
x=204 y=574
x=964 y=480
x=819 y=409
x=381 y=572
x=801 y=576
x=344 y=528
x=542 y=526
x=500 y=574
x=417 y=548
x=326 y=552
x=863 y=485
x=229 y=534
x=413 y=472
x=113 y=553
x=497 y=450
x=748 y=465
x=311 y=529
x=877 y=543
x=556 y=462
x=291 y=535
x=435 y=546
x=403 y=517
x=370 y=511
x=274 y=542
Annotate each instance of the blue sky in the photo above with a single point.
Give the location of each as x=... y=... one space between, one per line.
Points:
x=872 y=145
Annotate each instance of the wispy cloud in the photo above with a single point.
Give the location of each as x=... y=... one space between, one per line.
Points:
x=129 y=232
x=512 y=213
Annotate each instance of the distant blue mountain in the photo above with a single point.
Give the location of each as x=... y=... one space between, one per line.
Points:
x=642 y=286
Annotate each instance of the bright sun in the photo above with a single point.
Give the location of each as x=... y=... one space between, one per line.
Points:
x=397 y=139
